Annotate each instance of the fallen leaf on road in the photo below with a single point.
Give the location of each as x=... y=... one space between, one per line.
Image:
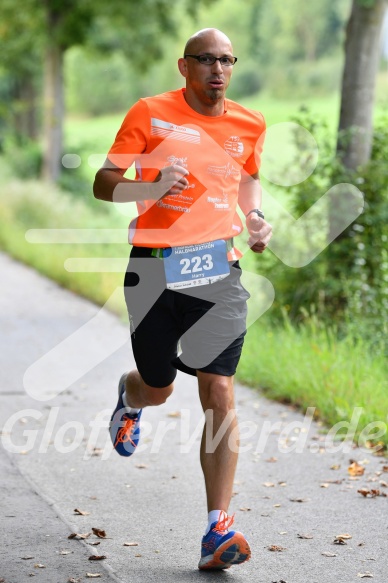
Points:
x=335 y=467
x=72 y=580
x=39 y=566
x=339 y=541
x=93 y=575
x=27 y=558
x=269 y=484
x=174 y=414
x=272 y=460
x=325 y=485
x=78 y=536
x=383 y=484
x=305 y=536
x=276 y=548
x=142 y=466
x=385 y=468
x=299 y=499
x=355 y=469
x=245 y=509
x=366 y=574
x=131 y=544
x=345 y=536
x=328 y=554
x=94 y=543
x=97 y=557
x=138 y=555
x=371 y=493
x=65 y=552
x=81 y=512
x=98 y=532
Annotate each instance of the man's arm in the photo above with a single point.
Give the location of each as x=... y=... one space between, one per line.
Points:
x=249 y=198
x=111 y=185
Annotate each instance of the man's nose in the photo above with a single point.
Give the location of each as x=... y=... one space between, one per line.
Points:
x=217 y=67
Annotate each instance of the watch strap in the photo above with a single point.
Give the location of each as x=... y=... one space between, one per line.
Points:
x=257 y=211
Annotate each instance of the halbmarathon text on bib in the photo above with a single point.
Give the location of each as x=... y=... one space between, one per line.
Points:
x=193 y=265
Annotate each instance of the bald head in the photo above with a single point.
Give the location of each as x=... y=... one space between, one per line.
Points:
x=199 y=39
x=206 y=82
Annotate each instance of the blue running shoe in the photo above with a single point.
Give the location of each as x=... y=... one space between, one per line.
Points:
x=220 y=548
x=124 y=428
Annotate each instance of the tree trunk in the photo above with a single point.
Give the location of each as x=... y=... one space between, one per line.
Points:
x=362 y=52
x=53 y=112
x=26 y=122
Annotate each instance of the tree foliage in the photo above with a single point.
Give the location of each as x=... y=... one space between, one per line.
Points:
x=56 y=25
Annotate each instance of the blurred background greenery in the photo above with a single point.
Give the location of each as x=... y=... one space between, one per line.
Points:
x=69 y=71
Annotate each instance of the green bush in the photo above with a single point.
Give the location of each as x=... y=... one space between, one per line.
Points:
x=349 y=280
x=24 y=158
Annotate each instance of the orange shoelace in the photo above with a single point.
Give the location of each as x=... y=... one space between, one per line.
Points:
x=124 y=433
x=224 y=522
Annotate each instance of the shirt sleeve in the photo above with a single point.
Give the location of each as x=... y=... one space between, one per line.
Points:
x=252 y=165
x=132 y=137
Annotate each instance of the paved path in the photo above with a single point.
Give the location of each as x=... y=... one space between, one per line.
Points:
x=63 y=460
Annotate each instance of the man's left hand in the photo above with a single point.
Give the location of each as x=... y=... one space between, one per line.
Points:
x=260 y=233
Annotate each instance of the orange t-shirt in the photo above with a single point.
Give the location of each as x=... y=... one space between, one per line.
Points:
x=164 y=130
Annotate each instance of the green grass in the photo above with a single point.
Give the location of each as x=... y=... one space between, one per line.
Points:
x=33 y=205
x=311 y=367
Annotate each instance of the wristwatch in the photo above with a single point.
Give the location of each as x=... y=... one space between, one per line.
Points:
x=257 y=211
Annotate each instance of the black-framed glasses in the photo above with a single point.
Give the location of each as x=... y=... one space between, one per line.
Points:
x=210 y=60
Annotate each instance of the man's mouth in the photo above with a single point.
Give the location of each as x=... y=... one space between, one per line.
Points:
x=216 y=83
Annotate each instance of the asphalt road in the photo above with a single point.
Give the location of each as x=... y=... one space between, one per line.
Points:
x=60 y=360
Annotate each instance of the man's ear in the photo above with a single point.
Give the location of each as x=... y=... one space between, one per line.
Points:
x=182 y=66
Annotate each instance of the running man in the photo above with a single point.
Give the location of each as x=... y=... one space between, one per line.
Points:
x=197 y=158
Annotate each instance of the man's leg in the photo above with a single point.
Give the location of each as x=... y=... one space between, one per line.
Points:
x=140 y=395
x=221 y=547
x=217 y=398
x=134 y=395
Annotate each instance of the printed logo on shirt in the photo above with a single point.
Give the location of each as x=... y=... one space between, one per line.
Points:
x=225 y=171
x=234 y=147
x=170 y=131
x=181 y=198
x=220 y=204
x=172 y=207
x=175 y=160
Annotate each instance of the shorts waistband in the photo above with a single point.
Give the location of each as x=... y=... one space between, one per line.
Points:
x=158 y=251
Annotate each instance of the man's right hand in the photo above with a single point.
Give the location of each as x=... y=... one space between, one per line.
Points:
x=170 y=180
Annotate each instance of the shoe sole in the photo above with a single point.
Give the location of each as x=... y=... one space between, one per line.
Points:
x=234 y=551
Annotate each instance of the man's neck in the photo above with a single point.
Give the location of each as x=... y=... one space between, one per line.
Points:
x=211 y=109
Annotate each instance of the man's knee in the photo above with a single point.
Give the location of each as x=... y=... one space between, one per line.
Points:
x=218 y=394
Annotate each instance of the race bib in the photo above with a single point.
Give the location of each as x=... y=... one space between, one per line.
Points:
x=193 y=265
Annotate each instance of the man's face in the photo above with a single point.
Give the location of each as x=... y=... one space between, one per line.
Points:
x=208 y=82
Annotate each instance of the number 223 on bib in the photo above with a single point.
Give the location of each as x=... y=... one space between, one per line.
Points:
x=193 y=265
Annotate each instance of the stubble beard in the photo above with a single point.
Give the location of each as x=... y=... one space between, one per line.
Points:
x=215 y=95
